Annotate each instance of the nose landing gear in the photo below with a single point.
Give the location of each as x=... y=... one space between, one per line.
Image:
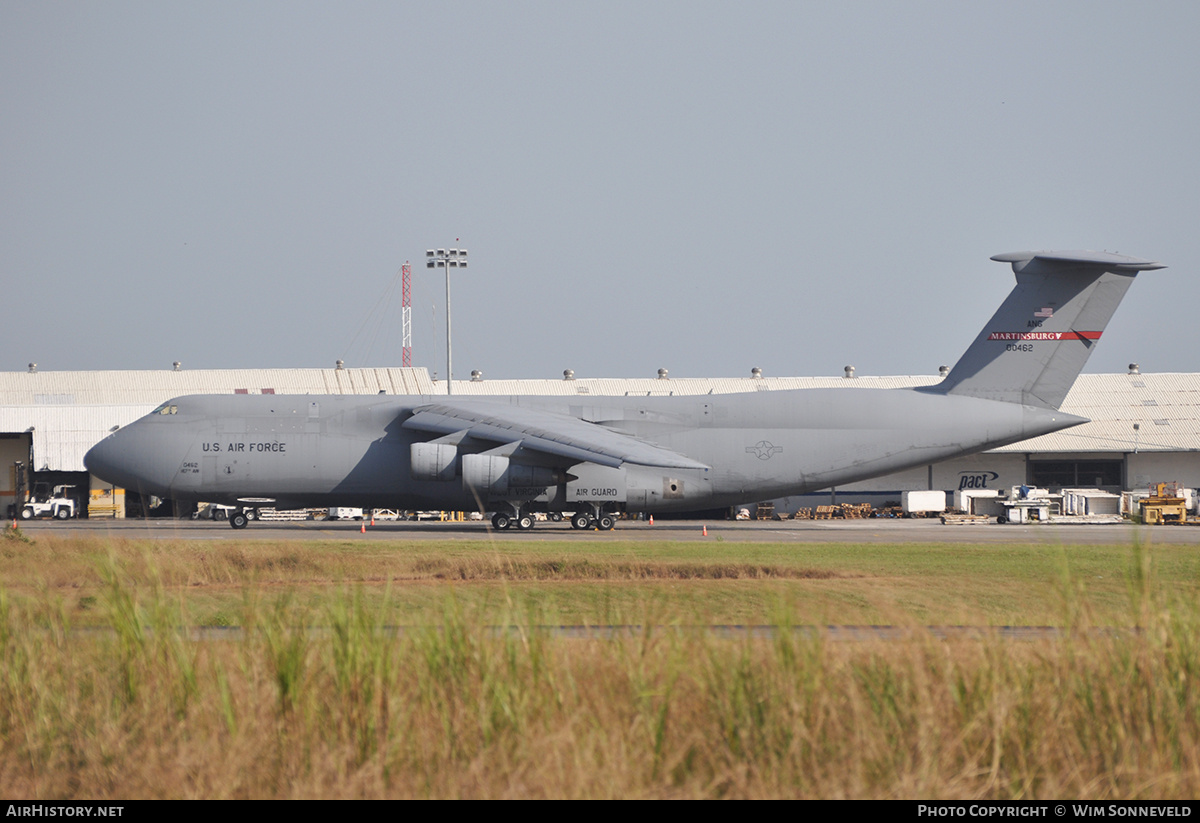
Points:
x=240 y=518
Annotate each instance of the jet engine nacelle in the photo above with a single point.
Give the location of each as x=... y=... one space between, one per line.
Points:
x=494 y=477
x=433 y=461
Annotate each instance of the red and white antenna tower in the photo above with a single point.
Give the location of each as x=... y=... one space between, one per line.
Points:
x=406 y=313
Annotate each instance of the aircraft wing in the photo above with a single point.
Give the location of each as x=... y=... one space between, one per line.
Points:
x=554 y=434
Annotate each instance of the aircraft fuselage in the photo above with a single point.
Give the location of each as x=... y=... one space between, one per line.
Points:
x=343 y=450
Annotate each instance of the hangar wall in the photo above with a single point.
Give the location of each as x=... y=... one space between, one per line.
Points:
x=1144 y=427
x=979 y=471
x=1156 y=467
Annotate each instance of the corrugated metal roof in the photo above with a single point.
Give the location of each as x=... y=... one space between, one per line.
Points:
x=1165 y=407
x=70 y=411
x=609 y=387
x=63 y=434
x=1117 y=436
x=50 y=388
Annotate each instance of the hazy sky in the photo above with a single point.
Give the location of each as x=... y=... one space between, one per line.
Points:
x=700 y=186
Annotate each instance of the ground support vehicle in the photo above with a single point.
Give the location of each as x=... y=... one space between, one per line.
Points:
x=1165 y=505
x=43 y=503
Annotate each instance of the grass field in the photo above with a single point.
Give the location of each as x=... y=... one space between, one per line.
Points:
x=381 y=671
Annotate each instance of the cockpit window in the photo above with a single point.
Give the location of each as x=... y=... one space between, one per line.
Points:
x=166 y=408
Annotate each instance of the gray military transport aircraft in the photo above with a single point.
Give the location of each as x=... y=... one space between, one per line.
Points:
x=597 y=456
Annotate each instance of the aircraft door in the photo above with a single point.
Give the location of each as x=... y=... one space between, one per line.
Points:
x=191 y=477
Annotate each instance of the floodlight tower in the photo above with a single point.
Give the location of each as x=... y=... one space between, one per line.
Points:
x=447 y=259
x=406 y=315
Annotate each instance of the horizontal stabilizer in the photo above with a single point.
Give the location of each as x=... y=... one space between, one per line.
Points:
x=1108 y=261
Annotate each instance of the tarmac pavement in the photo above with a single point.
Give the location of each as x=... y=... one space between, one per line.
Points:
x=875 y=530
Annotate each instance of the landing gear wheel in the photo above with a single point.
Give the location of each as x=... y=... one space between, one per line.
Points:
x=525 y=522
x=239 y=520
x=501 y=521
x=606 y=522
x=251 y=514
x=581 y=521
x=555 y=517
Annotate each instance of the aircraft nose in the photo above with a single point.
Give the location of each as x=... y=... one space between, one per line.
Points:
x=108 y=460
x=98 y=460
x=134 y=458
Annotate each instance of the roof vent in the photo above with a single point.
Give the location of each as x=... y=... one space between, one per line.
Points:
x=943 y=371
x=476 y=376
x=568 y=374
x=177 y=366
x=1133 y=369
x=340 y=365
x=33 y=368
x=756 y=373
x=662 y=374
x=849 y=372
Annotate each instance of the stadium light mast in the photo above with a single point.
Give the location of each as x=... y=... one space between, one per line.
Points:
x=447 y=259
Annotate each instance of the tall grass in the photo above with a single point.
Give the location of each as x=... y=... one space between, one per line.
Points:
x=330 y=701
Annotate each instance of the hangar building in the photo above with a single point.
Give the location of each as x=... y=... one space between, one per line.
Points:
x=1144 y=427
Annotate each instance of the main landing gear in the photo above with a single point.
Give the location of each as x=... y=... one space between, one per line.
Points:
x=503 y=520
x=523 y=520
x=595 y=519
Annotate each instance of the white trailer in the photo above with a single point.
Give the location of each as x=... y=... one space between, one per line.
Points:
x=345 y=513
x=922 y=503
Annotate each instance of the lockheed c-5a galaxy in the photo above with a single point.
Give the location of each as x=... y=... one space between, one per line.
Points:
x=598 y=456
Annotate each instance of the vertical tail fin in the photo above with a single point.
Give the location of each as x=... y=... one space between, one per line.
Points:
x=1039 y=339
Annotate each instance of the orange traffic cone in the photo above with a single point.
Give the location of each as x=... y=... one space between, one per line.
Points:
x=372 y=518
x=363 y=528
x=651 y=520
x=704 y=531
